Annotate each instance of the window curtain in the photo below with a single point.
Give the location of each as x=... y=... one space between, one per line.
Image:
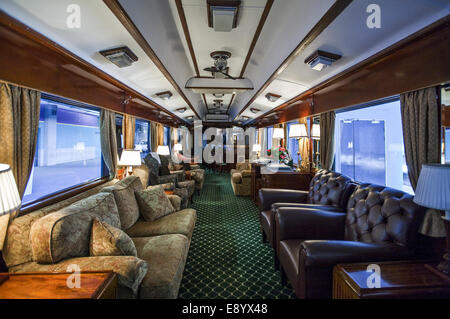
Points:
x=173 y=137
x=263 y=140
x=19 y=122
x=129 y=127
x=327 y=122
x=160 y=135
x=421 y=127
x=154 y=136
x=108 y=140
x=304 y=147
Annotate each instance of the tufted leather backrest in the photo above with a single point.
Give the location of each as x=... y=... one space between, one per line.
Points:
x=379 y=214
x=330 y=188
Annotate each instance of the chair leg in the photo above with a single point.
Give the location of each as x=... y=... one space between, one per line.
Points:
x=276 y=261
x=284 y=280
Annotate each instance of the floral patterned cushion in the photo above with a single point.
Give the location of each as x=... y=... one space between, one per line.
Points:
x=66 y=233
x=128 y=208
x=107 y=240
x=154 y=203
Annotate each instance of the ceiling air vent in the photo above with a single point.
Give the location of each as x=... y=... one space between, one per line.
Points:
x=222 y=15
x=217 y=117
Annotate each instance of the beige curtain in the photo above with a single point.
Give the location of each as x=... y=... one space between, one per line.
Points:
x=173 y=137
x=154 y=136
x=421 y=127
x=128 y=127
x=327 y=121
x=108 y=140
x=160 y=135
x=303 y=147
x=19 y=122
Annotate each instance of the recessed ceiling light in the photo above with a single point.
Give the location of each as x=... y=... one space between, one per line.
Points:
x=181 y=110
x=122 y=56
x=164 y=95
x=319 y=60
x=272 y=97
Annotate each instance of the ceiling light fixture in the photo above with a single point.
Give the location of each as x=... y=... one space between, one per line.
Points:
x=181 y=109
x=272 y=97
x=122 y=56
x=189 y=117
x=319 y=60
x=254 y=110
x=222 y=16
x=164 y=95
x=218 y=95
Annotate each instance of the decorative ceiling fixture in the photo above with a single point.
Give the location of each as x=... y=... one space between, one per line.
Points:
x=319 y=60
x=164 y=95
x=218 y=103
x=223 y=15
x=181 y=109
x=245 y=118
x=220 y=63
x=272 y=97
x=218 y=95
x=191 y=117
x=122 y=56
x=255 y=110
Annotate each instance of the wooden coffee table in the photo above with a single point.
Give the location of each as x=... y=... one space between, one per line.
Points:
x=93 y=285
x=402 y=279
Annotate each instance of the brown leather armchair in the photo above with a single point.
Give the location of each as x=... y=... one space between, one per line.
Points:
x=328 y=191
x=380 y=224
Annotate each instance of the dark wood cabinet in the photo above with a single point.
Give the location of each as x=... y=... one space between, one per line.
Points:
x=284 y=180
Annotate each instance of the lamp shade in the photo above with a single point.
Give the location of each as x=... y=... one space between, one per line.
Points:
x=433 y=187
x=9 y=195
x=130 y=158
x=163 y=150
x=298 y=131
x=278 y=132
x=256 y=147
x=315 y=131
x=178 y=147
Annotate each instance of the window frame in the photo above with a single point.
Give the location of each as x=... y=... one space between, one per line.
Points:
x=74 y=190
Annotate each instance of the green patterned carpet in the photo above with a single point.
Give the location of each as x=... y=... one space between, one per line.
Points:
x=227 y=258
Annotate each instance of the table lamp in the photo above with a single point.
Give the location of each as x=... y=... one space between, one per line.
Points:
x=257 y=149
x=278 y=132
x=130 y=158
x=298 y=131
x=9 y=197
x=163 y=150
x=177 y=147
x=433 y=191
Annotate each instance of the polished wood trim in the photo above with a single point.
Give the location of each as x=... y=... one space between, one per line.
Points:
x=404 y=66
x=129 y=25
x=261 y=23
x=204 y=100
x=62 y=195
x=31 y=60
x=332 y=13
x=230 y=3
x=187 y=35
x=231 y=102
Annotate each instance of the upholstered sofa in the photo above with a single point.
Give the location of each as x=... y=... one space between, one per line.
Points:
x=378 y=224
x=241 y=179
x=52 y=238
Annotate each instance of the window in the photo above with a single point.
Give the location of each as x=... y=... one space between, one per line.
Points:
x=142 y=137
x=292 y=145
x=167 y=136
x=369 y=145
x=68 y=151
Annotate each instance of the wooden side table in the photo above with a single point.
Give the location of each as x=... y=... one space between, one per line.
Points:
x=93 y=285
x=402 y=279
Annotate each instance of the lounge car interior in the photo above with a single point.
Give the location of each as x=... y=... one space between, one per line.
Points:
x=224 y=149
